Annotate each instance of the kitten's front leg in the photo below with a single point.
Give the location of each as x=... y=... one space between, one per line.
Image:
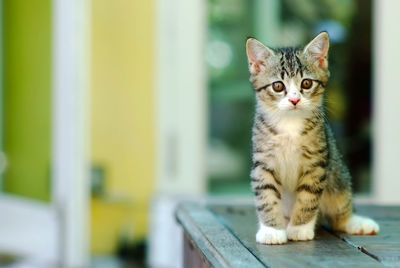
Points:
x=305 y=211
x=266 y=188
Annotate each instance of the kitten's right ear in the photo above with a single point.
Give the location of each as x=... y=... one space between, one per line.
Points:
x=257 y=55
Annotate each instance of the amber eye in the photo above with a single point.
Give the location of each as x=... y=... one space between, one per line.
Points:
x=278 y=86
x=306 y=83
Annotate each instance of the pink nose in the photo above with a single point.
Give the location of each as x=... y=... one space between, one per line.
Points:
x=294 y=100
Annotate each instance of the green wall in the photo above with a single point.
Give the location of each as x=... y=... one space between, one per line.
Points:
x=1 y=86
x=27 y=97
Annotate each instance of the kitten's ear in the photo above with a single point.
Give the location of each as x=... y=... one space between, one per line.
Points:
x=317 y=50
x=257 y=54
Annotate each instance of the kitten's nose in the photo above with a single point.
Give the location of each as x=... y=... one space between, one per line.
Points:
x=294 y=100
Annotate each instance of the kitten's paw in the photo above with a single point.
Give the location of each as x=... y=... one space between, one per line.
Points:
x=359 y=225
x=300 y=232
x=271 y=236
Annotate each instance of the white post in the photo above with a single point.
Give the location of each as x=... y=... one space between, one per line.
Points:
x=71 y=35
x=181 y=96
x=386 y=178
x=181 y=112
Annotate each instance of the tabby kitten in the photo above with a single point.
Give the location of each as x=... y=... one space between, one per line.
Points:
x=298 y=172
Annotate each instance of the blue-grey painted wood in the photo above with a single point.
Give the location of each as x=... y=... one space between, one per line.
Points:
x=326 y=250
x=384 y=246
x=225 y=235
x=216 y=242
x=379 y=212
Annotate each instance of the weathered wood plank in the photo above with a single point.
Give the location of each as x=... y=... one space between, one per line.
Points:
x=379 y=212
x=326 y=250
x=192 y=255
x=216 y=242
x=384 y=246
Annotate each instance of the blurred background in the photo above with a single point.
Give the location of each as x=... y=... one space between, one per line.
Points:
x=112 y=112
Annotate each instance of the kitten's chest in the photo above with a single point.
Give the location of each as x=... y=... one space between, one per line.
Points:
x=287 y=160
x=287 y=153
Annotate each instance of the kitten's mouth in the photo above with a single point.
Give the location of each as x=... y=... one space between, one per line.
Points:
x=295 y=109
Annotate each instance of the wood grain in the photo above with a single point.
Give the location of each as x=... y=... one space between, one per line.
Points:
x=224 y=236
x=385 y=246
x=214 y=240
x=326 y=250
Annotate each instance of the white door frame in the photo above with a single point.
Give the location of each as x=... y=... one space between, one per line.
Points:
x=386 y=122
x=181 y=120
x=71 y=39
x=181 y=106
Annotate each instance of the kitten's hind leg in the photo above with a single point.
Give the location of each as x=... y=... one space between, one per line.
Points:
x=337 y=207
x=360 y=225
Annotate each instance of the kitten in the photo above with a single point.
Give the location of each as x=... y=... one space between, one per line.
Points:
x=298 y=172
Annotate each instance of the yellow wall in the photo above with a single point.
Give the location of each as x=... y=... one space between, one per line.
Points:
x=122 y=118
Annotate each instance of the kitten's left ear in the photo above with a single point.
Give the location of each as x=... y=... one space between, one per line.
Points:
x=317 y=50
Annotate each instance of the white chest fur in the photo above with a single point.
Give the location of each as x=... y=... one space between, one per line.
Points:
x=287 y=151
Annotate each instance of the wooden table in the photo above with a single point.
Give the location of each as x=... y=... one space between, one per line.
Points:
x=223 y=235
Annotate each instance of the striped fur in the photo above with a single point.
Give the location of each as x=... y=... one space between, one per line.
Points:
x=297 y=172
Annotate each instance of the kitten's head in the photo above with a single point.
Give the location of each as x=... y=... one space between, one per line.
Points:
x=289 y=80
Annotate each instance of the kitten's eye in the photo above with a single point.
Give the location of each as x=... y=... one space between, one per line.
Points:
x=278 y=86
x=306 y=83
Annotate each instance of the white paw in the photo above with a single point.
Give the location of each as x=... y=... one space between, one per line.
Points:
x=270 y=235
x=300 y=232
x=361 y=225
